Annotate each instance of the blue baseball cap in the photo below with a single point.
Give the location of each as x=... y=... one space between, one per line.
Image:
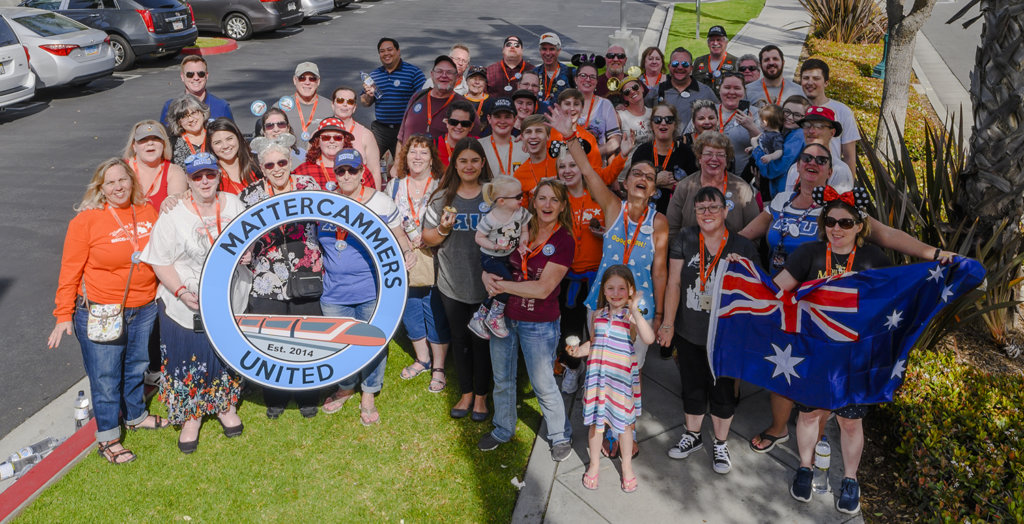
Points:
x=348 y=158
x=200 y=161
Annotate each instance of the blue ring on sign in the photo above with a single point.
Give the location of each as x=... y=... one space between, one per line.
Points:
x=327 y=362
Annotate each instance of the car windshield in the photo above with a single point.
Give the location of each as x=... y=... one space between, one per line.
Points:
x=7 y=37
x=50 y=24
x=159 y=4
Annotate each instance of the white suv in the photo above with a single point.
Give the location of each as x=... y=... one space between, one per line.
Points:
x=17 y=82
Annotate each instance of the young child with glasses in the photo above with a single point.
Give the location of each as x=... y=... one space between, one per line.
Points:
x=770 y=139
x=500 y=232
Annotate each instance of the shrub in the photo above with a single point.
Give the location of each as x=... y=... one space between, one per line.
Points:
x=846 y=21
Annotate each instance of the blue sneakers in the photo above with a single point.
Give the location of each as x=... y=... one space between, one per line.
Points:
x=801 y=488
x=849 y=497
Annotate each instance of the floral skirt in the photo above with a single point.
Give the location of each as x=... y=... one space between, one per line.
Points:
x=196 y=382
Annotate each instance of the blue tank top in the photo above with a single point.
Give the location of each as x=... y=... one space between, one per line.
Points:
x=641 y=258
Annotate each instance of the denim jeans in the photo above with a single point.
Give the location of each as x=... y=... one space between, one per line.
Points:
x=539 y=341
x=115 y=370
x=372 y=377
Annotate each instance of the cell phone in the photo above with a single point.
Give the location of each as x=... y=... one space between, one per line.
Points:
x=197 y=323
x=744 y=105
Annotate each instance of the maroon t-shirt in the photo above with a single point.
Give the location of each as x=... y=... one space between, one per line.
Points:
x=421 y=106
x=559 y=250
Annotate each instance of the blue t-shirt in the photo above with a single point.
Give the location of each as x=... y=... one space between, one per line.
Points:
x=396 y=89
x=786 y=220
x=218 y=108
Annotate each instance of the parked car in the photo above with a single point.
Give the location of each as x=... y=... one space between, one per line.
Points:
x=137 y=28
x=239 y=19
x=315 y=7
x=17 y=82
x=62 y=51
x=338 y=4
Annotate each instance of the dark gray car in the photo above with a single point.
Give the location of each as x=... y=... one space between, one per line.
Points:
x=239 y=19
x=136 y=27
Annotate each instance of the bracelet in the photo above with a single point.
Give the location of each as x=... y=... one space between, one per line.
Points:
x=177 y=292
x=936 y=255
x=438 y=228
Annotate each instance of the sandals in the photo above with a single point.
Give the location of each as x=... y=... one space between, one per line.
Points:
x=629 y=485
x=369 y=416
x=772 y=441
x=437 y=385
x=590 y=482
x=114 y=457
x=158 y=423
x=336 y=401
x=411 y=371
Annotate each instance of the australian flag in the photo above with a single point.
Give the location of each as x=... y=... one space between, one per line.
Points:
x=831 y=342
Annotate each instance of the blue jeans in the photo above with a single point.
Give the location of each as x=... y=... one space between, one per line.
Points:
x=539 y=341
x=372 y=377
x=115 y=370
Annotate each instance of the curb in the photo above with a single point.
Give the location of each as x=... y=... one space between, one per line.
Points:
x=214 y=50
x=953 y=98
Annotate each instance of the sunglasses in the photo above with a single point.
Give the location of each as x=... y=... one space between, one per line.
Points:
x=513 y=197
x=663 y=119
x=615 y=56
x=820 y=160
x=845 y=223
x=679 y=63
x=714 y=208
x=634 y=89
x=349 y=101
x=513 y=44
x=348 y=170
x=280 y=163
x=200 y=74
x=455 y=122
x=308 y=78
x=271 y=125
x=748 y=69
x=210 y=175
x=332 y=138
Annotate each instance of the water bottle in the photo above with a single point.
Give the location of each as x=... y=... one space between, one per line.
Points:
x=11 y=468
x=368 y=81
x=411 y=231
x=81 y=410
x=822 y=456
x=40 y=448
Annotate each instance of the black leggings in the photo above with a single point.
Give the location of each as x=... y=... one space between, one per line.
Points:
x=471 y=353
x=698 y=387
x=573 y=321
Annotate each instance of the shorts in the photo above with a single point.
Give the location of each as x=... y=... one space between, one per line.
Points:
x=852 y=412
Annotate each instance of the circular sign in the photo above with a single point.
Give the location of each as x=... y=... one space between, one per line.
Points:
x=257 y=108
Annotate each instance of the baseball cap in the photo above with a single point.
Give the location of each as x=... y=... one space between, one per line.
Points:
x=199 y=162
x=821 y=114
x=307 y=67
x=717 y=30
x=511 y=38
x=501 y=104
x=147 y=130
x=348 y=158
x=524 y=93
x=551 y=38
x=476 y=70
x=445 y=58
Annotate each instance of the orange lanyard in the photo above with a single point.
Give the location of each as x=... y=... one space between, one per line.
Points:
x=593 y=102
x=202 y=147
x=346 y=128
x=533 y=252
x=705 y=276
x=628 y=248
x=768 y=96
x=721 y=125
x=312 y=113
x=549 y=83
x=342 y=235
x=656 y=82
x=226 y=184
x=419 y=199
x=431 y=115
x=501 y=166
x=508 y=80
x=165 y=165
x=447 y=148
x=828 y=260
x=205 y=227
x=324 y=171
x=270 y=188
x=664 y=165
x=134 y=236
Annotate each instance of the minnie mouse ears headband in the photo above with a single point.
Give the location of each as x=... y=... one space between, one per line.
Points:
x=260 y=143
x=583 y=59
x=856 y=198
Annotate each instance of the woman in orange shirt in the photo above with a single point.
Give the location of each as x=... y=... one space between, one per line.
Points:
x=101 y=249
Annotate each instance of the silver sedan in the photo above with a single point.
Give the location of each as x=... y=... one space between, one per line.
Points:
x=62 y=51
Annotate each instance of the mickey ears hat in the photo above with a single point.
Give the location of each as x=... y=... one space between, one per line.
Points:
x=856 y=197
x=583 y=59
x=821 y=114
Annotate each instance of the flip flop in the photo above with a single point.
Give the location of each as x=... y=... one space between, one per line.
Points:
x=410 y=372
x=369 y=417
x=772 y=441
x=335 y=402
x=590 y=482
x=629 y=485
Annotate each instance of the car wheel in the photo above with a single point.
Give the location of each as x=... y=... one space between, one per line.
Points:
x=124 y=57
x=237 y=26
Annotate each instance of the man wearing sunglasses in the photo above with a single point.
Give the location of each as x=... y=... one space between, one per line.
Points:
x=427 y=109
x=615 y=67
x=503 y=76
x=772 y=88
x=680 y=90
x=394 y=83
x=194 y=75
x=553 y=75
x=309 y=107
x=819 y=126
x=708 y=69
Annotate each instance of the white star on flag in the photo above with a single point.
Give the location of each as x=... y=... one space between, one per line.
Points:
x=946 y=293
x=898 y=369
x=936 y=273
x=893 y=320
x=784 y=362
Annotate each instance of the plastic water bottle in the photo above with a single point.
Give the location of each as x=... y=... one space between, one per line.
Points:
x=411 y=231
x=40 y=448
x=368 y=81
x=81 y=410
x=17 y=467
x=822 y=457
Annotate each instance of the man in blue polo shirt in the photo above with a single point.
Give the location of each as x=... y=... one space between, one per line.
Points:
x=554 y=76
x=394 y=83
x=194 y=74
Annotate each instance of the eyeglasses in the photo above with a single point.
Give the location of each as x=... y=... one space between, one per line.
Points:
x=513 y=197
x=348 y=170
x=615 y=56
x=444 y=72
x=280 y=163
x=817 y=125
x=792 y=114
x=455 y=122
x=349 y=101
x=845 y=223
x=713 y=208
x=586 y=76
x=210 y=175
x=513 y=44
x=748 y=69
x=679 y=63
x=332 y=138
x=200 y=74
x=271 y=125
x=308 y=78
x=820 y=160
x=195 y=113
x=633 y=89
x=712 y=155
x=663 y=119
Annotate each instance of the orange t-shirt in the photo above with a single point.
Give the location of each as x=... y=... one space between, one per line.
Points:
x=587 y=256
x=98 y=251
x=530 y=174
x=607 y=173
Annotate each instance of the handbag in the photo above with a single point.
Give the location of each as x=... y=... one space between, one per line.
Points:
x=303 y=285
x=422 y=273
x=106 y=321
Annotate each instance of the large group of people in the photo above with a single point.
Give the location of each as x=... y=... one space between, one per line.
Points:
x=573 y=214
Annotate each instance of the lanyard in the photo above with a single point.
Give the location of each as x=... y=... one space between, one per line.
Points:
x=270 y=187
x=628 y=248
x=134 y=236
x=431 y=115
x=226 y=184
x=768 y=96
x=671 y=146
x=501 y=166
x=593 y=102
x=721 y=125
x=533 y=252
x=419 y=199
x=155 y=184
x=828 y=260
x=656 y=82
x=324 y=171
x=447 y=148
x=705 y=276
x=312 y=113
x=201 y=219
x=508 y=80
x=549 y=83
x=338 y=233
x=192 y=148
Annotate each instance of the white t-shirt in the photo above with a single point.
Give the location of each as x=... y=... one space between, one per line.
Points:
x=640 y=124
x=499 y=159
x=841 y=175
x=844 y=115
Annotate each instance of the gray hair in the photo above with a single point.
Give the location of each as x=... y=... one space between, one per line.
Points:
x=276 y=148
x=750 y=57
x=182 y=106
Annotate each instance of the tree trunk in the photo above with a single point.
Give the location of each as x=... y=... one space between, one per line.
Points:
x=898 y=65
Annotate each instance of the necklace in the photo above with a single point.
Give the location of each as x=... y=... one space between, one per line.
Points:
x=828 y=260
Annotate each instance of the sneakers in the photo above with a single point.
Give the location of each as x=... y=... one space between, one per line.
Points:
x=801 y=488
x=849 y=497
x=495 y=320
x=721 y=463
x=488 y=443
x=476 y=324
x=689 y=443
x=561 y=451
x=570 y=381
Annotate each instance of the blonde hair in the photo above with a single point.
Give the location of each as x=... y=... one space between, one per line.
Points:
x=94 y=197
x=562 y=194
x=491 y=189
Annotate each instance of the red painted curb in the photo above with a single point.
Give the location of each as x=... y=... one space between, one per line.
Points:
x=215 y=50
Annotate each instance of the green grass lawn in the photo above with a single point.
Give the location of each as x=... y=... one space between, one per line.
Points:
x=418 y=465
x=731 y=14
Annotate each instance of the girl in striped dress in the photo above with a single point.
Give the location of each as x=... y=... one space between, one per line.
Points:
x=612 y=386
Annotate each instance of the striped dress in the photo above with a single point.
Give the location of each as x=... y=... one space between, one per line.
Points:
x=612 y=387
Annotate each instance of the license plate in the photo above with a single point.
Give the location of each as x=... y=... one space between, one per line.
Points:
x=178 y=25
x=291 y=6
x=91 y=50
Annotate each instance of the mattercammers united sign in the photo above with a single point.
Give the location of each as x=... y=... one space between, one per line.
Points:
x=301 y=352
